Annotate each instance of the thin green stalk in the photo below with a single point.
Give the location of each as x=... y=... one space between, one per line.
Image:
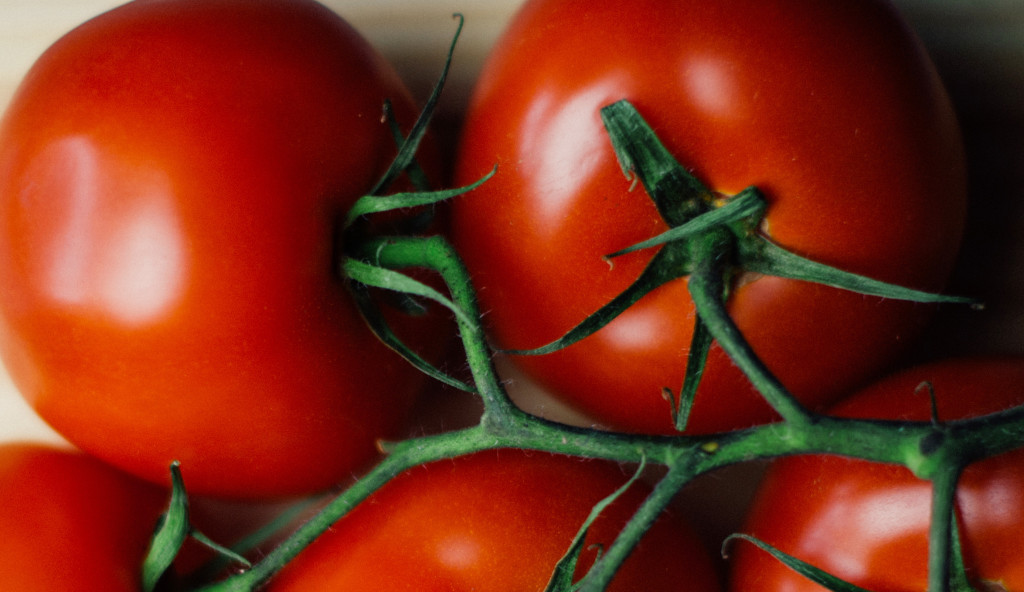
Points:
x=437 y=254
x=504 y=425
x=940 y=536
x=604 y=569
x=708 y=285
x=404 y=455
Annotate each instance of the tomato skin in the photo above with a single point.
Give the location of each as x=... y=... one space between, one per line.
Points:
x=868 y=522
x=171 y=176
x=832 y=109
x=496 y=521
x=70 y=522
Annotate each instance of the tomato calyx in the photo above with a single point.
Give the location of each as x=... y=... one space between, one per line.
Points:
x=172 y=530
x=359 y=263
x=718 y=238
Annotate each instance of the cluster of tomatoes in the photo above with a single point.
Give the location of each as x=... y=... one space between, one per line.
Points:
x=173 y=177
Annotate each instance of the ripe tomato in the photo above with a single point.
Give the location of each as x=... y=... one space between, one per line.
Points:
x=867 y=522
x=831 y=108
x=171 y=178
x=496 y=521
x=70 y=522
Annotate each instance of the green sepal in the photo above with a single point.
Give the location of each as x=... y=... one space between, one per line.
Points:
x=230 y=555
x=407 y=151
x=816 y=575
x=678 y=195
x=561 y=580
x=171 y=532
x=364 y=276
x=758 y=254
x=666 y=265
x=693 y=215
x=380 y=328
x=374 y=204
x=250 y=542
x=696 y=360
x=389 y=279
x=746 y=205
x=414 y=172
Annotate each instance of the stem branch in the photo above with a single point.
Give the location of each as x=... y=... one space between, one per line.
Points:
x=707 y=285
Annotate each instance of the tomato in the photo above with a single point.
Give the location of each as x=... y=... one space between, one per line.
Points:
x=832 y=109
x=70 y=522
x=868 y=522
x=171 y=180
x=496 y=521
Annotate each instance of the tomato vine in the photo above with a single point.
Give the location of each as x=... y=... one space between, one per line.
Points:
x=709 y=235
x=931 y=450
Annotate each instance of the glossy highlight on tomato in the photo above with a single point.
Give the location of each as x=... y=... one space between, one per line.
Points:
x=867 y=522
x=171 y=180
x=496 y=521
x=832 y=109
x=70 y=522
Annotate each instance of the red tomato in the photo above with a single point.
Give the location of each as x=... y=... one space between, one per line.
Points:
x=496 y=521
x=831 y=108
x=70 y=522
x=867 y=522
x=171 y=179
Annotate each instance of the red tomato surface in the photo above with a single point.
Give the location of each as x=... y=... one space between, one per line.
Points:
x=831 y=108
x=495 y=521
x=868 y=522
x=70 y=522
x=171 y=178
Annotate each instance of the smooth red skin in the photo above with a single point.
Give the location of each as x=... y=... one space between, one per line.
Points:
x=171 y=174
x=831 y=108
x=868 y=522
x=496 y=521
x=70 y=522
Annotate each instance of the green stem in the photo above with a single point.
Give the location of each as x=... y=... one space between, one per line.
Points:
x=437 y=254
x=604 y=569
x=405 y=455
x=940 y=536
x=504 y=425
x=708 y=287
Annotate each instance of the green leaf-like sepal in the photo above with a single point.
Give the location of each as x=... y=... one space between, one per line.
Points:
x=696 y=361
x=374 y=204
x=694 y=215
x=747 y=205
x=561 y=580
x=413 y=171
x=677 y=194
x=761 y=255
x=365 y=275
x=664 y=267
x=389 y=279
x=171 y=532
x=407 y=151
x=173 y=529
x=816 y=575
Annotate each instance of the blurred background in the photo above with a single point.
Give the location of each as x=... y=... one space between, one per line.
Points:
x=978 y=46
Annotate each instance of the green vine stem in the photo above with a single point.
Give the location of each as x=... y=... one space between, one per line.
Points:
x=709 y=237
x=604 y=569
x=940 y=535
x=707 y=286
x=926 y=448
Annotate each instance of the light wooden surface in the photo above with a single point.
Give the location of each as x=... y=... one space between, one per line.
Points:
x=978 y=44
